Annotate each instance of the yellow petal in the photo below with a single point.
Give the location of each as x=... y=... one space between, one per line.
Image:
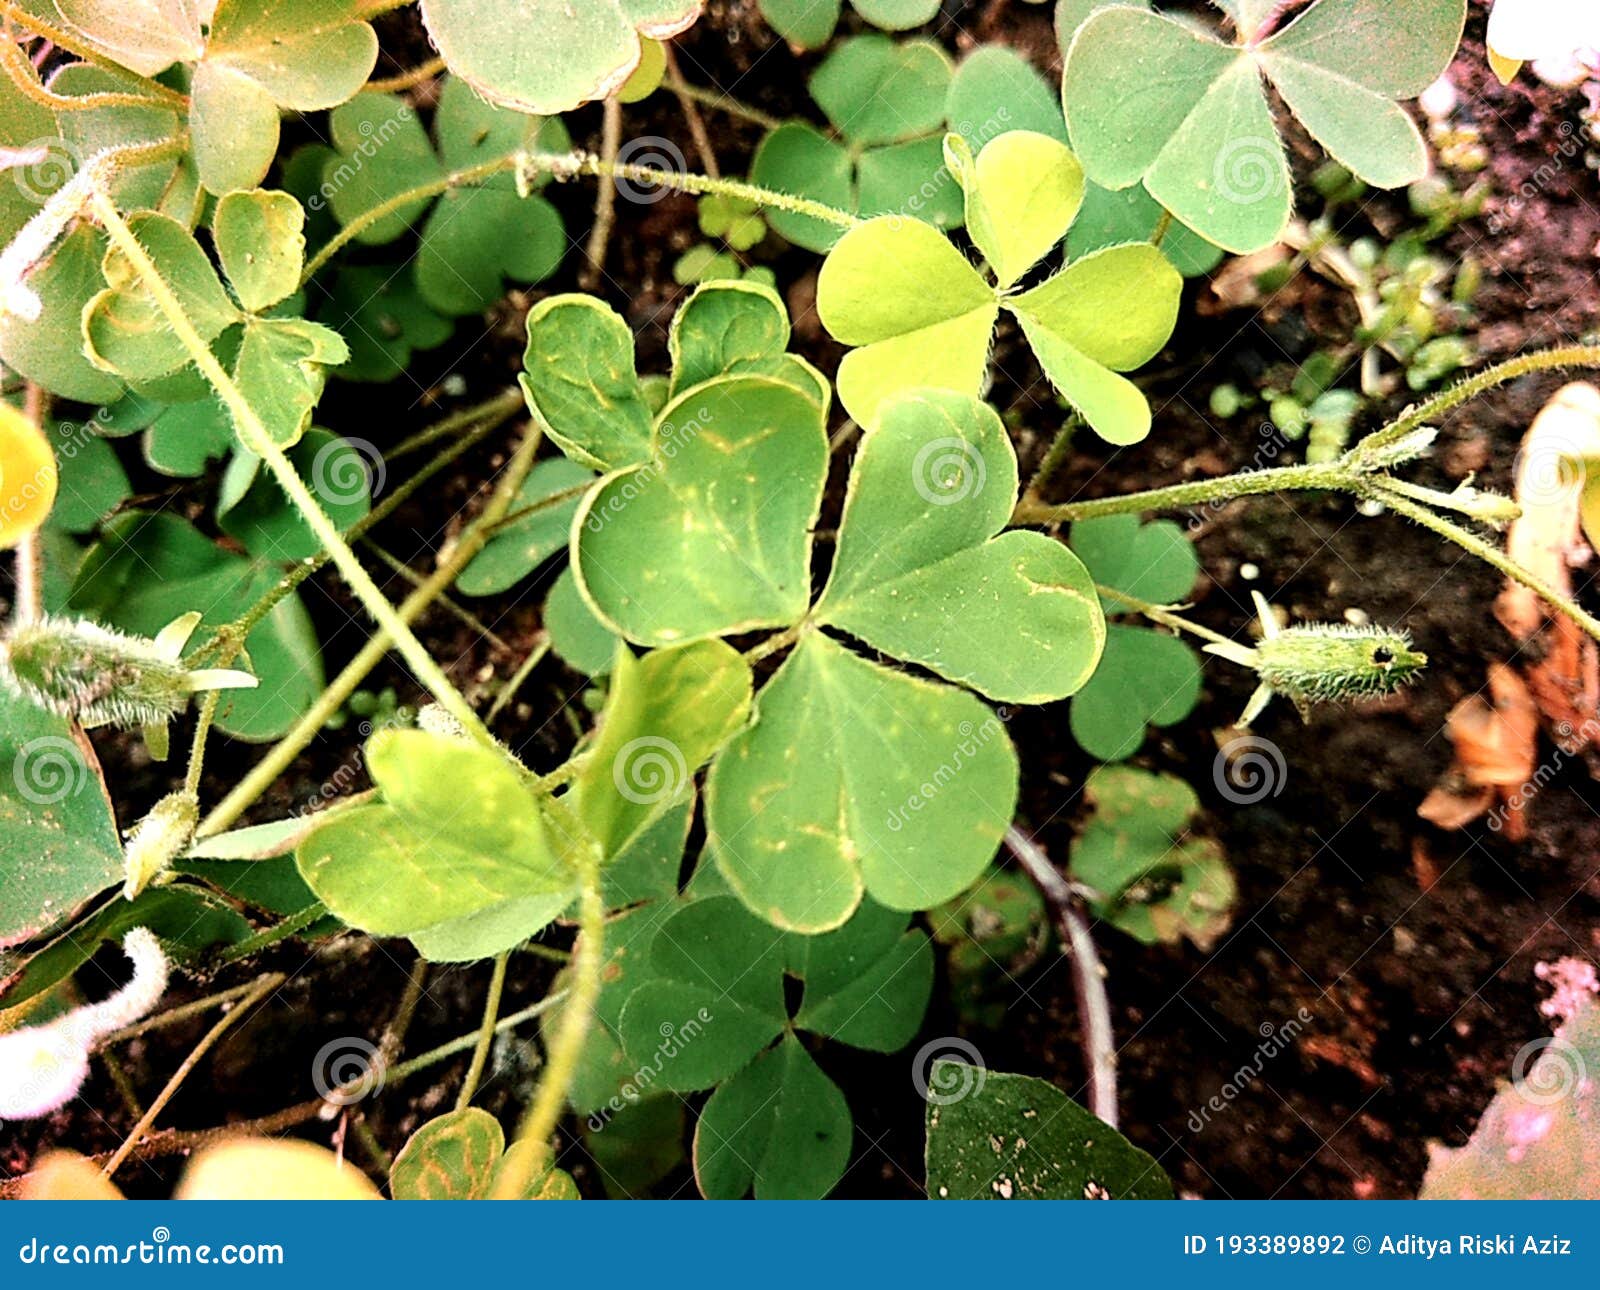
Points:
x=65 y=1175
x=27 y=476
x=1505 y=68
x=272 y=1169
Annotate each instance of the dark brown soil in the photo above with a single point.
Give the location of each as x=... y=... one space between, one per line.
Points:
x=1417 y=997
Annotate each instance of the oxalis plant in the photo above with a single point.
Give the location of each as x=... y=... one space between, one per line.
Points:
x=820 y=712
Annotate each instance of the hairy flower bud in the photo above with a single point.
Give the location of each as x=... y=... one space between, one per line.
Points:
x=157 y=840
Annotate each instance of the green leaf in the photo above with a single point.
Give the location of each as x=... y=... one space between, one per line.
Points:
x=306 y=55
x=453 y=1157
x=992 y=933
x=908 y=179
x=579 y=378
x=866 y=984
x=578 y=638
x=148 y=569
x=666 y=715
x=1111 y=218
x=91 y=481
x=876 y=90
x=432 y=853
x=919 y=313
x=924 y=572
x=727 y=328
x=184 y=437
x=1153 y=562
x=260 y=239
x=58 y=838
x=476 y=236
x=384 y=153
x=233 y=125
x=281 y=369
x=807 y=23
x=1144 y=679
x=1109 y=312
x=996 y=89
x=647 y=867
x=124 y=328
x=1152 y=882
x=712 y=537
x=712 y=999
x=166 y=183
x=528 y=540
x=797 y=159
x=904 y=791
x=1010 y=1137
x=1022 y=193
x=188 y=922
x=383 y=320
x=779 y=1128
x=49 y=350
x=638 y=1146
x=1196 y=127
x=549 y=56
x=896 y=15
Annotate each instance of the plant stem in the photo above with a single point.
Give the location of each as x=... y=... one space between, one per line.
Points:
x=502 y=406
x=491 y=1016
x=691 y=114
x=605 y=199
x=230 y=638
x=1485 y=551
x=1469 y=389
x=197 y=748
x=508 y=691
x=258 y=439
x=1329 y=475
x=722 y=103
x=567 y=1044
x=266 y=772
x=406 y=80
x=262 y=988
x=1088 y=976
x=1160 y=614
x=269 y=936
x=56 y=36
x=463 y=615
x=172 y=1016
x=1054 y=458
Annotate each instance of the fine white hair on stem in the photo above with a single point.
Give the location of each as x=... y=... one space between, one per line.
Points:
x=43 y=1067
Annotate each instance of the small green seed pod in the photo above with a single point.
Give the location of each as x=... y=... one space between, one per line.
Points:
x=98 y=677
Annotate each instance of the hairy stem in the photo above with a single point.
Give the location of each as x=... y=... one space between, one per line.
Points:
x=258 y=439
x=567 y=1044
x=406 y=80
x=1330 y=475
x=491 y=1015
x=1485 y=551
x=280 y=931
x=1484 y=381
x=1161 y=614
x=266 y=772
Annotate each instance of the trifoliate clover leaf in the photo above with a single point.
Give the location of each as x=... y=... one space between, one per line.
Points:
x=920 y=315
x=706 y=1000
x=886 y=101
x=1194 y=123
x=549 y=56
x=733 y=219
x=579 y=374
x=383 y=319
x=478 y=235
x=462 y=1155
x=382 y=153
x=1152 y=881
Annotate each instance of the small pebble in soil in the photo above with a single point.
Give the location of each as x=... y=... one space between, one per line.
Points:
x=1249 y=572
x=1357 y=617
